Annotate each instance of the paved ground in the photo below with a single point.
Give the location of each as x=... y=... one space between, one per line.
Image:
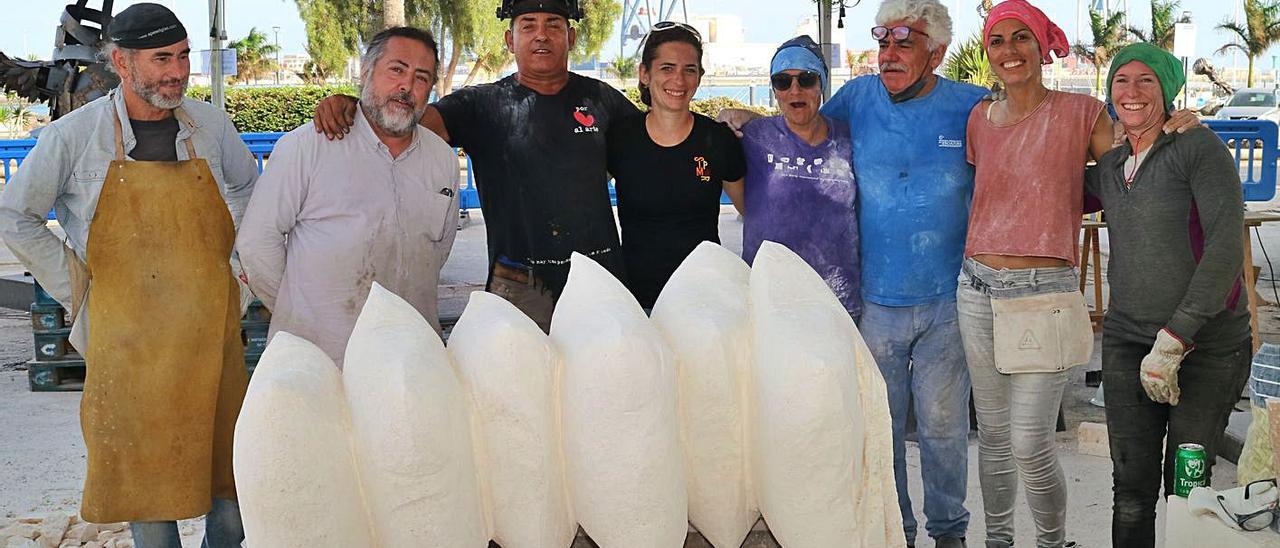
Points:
x=42 y=454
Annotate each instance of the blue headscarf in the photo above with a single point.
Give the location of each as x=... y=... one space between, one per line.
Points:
x=800 y=53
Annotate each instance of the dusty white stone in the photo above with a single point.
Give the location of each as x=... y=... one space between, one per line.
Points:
x=821 y=440
x=115 y=527
x=82 y=532
x=508 y=366
x=703 y=315
x=295 y=469
x=93 y=544
x=53 y=529
x=20 y=529
x=412 y=430
x=20 y=542
x=618 y=408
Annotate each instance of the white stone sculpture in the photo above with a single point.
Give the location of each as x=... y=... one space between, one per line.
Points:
x=822 y=452
x=618 y=406
x=295 y=470
x=702 y=313
x=412 y=430
x=509 y=367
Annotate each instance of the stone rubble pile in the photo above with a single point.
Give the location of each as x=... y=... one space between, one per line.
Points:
x=60 y=530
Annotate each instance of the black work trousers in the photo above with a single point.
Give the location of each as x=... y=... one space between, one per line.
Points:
x=1210 y=380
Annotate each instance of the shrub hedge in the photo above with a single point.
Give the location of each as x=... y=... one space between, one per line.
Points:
x=262 y=110
x=272 y=109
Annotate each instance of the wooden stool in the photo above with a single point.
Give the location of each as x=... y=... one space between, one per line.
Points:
x=1092 y=247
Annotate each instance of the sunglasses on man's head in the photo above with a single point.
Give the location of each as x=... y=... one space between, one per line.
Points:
x=782 y=81
x=901 y=32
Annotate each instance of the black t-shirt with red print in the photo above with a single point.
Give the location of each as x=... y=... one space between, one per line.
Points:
x=540 y=168
x=669 y=197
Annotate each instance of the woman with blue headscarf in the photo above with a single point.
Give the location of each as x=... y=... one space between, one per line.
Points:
x=800 y=189
x=1176 y=343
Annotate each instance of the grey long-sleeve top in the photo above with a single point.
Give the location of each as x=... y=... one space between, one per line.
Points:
x=66 y=169
x=1176 y=238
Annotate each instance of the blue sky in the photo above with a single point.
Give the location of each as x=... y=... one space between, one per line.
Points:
x=29 y=24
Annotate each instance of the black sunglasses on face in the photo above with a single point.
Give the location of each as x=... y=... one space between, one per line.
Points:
x=782 y=81
x=900 y=32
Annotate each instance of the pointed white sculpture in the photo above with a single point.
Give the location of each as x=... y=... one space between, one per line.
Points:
x=295 y=471
x=702 y=313
x=412 y=430
x=821 y=440
x=510 y=369
x=618 y=405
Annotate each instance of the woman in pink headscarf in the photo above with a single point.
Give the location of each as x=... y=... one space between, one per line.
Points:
x=1022 y=318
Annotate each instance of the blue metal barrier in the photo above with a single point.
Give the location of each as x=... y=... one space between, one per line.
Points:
x=12 y=152
x=1259 y=176
x=1259 y=180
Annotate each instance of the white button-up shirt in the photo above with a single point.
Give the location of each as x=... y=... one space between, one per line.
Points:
x=329 y=218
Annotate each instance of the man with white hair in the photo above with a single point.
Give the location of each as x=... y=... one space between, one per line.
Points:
x=914 y=188
x=148 y=186
x=908 y=128
x=329 y=218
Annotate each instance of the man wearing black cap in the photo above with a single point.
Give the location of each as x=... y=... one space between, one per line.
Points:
x=164 y=361
x=537 y=141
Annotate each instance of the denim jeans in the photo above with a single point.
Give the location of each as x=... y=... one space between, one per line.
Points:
x=1017 y=414
x=222 y=529
x=918 y=351
x=1210 y=381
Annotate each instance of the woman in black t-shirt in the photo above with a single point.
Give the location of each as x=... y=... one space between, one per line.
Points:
x=670 y=164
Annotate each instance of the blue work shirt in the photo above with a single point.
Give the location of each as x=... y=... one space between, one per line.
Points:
x=914 y=186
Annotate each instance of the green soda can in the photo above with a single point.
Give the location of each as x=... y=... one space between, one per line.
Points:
x=1189 y=469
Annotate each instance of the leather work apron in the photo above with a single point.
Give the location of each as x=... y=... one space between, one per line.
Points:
x=165 y=373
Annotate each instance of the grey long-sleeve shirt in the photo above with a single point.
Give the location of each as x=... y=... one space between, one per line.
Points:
x=329 y=218
x=1176 y=240
x=66 y=169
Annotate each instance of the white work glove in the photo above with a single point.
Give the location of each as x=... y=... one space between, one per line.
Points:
x=1159 y=373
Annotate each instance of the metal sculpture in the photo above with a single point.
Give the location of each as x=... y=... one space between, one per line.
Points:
x=76 y=75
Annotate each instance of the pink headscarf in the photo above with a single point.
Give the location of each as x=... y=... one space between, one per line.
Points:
x=1050 y=37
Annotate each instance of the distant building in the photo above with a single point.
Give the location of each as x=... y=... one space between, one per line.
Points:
x=725 y=48
x=294 y=63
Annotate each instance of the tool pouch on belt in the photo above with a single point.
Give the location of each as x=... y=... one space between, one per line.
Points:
x=1043 y=333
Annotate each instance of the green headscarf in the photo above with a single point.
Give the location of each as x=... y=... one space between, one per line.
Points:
x=1167 y=68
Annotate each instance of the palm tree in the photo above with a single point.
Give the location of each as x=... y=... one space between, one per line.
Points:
x=856 y=60
x=255 y=57
x=1260 y=30
x=1108 y=38
x=968 y=63
x=1162 y=22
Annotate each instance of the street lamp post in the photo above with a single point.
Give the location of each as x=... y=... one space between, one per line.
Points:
x=277 y=29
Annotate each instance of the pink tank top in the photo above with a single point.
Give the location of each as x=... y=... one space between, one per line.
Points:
x=1029 y=179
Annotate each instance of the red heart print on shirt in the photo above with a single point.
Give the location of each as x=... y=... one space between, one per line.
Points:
x=584 y=118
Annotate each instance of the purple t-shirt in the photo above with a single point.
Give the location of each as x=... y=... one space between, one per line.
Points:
x=804 y=197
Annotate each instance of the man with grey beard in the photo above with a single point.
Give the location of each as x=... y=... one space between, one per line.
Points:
x=148 y=187
x=329 y=218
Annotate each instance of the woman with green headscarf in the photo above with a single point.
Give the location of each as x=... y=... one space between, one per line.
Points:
x=1176 y=340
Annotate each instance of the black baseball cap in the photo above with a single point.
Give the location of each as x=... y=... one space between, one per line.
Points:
x=569 y=9
x=146 y=26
